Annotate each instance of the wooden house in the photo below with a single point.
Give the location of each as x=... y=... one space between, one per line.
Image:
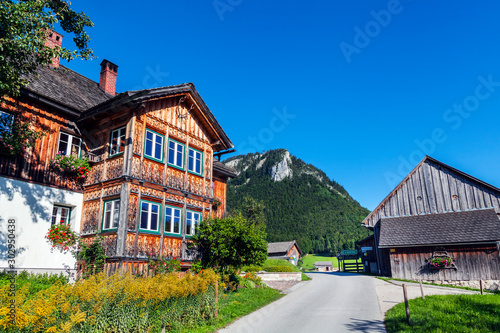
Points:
x=323 y=266
x=284 y=250
x=436 y=213
x=153 y=175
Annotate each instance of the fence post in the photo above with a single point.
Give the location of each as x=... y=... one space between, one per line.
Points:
x=422 y=290
x=481 y=286
x=216 y=298
x=406 y=304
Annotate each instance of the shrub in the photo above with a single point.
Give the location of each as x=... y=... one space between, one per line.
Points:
x=119 y=303
x=253 y=269
x=278 y=269
x=164 y=266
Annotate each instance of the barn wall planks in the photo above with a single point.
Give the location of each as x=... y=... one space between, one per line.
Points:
x=473 y=262
x=434 y=188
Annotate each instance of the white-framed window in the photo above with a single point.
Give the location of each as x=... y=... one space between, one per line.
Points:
x=150 y=213
x=111 y=214
x=173 y=220
x=192 y=220
x=153 y=145
x=195 y=159
x=117 y=144
x=6 y=122
x=175 y=153
x=61 y=214
x=69 y=145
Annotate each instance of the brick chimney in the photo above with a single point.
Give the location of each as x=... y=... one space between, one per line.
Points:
x=107 y=82
x=54 y=39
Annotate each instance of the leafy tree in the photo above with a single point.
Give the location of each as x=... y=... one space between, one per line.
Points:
x=24 y=27
x=232 y=242
x=254 y=210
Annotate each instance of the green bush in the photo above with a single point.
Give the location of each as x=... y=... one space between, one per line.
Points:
x=35 y=282
x=253 y=269
x=278 y=269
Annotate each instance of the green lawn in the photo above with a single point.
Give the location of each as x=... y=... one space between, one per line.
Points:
x=234 y=305
x=310 y=259
x=447 y=313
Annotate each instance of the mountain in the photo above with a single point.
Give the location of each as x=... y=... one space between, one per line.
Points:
x=301 y=202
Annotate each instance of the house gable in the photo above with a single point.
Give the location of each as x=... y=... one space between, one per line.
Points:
x=434 y=187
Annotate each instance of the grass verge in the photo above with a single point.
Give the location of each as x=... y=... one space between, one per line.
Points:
x=447 y=313
x=234 y=305
x=432 y=284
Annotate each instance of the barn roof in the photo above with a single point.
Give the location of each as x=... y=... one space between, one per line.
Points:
x=474 y=226
x=281 y=247
x=223 y=169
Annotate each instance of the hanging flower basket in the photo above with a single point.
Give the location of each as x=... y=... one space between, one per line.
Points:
x=61 y=237
x=71 y=166
x=441 y=262
x=216 y=202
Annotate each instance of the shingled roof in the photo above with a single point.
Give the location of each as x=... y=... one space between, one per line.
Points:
x=281 y=248
x=224 y=169
x=482 y=225
x=65 y=86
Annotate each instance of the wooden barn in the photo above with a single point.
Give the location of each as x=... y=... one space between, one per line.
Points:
x=153 y=174
x=438 y=224
x=284 y=250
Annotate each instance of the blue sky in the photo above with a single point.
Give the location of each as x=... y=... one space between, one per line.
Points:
x=360 y=89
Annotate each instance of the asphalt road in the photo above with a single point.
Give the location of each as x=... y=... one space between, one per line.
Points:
x=330 y=302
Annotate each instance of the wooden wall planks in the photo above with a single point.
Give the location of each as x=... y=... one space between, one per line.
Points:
x=434 y=188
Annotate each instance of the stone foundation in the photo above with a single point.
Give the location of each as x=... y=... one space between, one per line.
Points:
x=267 y=276
x=491 y=285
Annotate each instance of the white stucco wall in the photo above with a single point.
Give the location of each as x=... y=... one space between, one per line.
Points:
x=30 y=205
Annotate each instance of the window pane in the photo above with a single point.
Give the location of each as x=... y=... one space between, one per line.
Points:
x=154 y=221
x=171 y=152
x=168 y=220
x=63 y=144
x=107 y=218
x=177 y=224
x=116 y=214
x=158 y=150
x=198 y=166
x=54 y=215
x=179 y=158
x=190 y=164
x=144 y=215
x=189 y=217
x=149 y=145
x=64 y=215
x=75 y=146
x=114 y=143
x=6 y=120
x=121 y=141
